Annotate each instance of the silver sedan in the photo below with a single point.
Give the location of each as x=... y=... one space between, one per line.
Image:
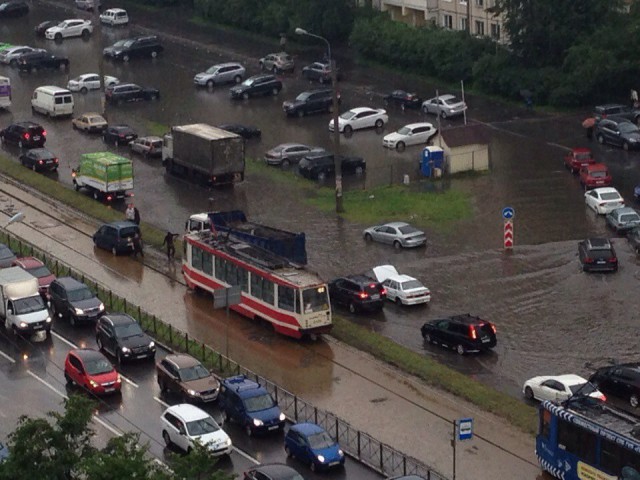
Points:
x=398 y=234
x=444 y=105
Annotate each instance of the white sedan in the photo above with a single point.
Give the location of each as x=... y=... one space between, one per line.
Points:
x=361 y=117
x=402 y=289
x=559 y=388
x=74 y=27
x=444 y=105
x=90 y=81
x=603 y=200
x=412 y=134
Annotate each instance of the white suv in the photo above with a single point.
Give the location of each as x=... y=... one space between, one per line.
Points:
x=221 y=73
x=183 y=425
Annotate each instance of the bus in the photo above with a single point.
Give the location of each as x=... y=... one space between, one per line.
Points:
x=5 y=92
x=586 y=439
x=294 y=300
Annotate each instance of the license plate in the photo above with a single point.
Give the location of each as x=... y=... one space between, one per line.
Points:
x=601 y=262
x=333 y=464
x=599 y=182
x=375 y=296
x=140 y=356
x=273 y=427
x=36 y=137
x=486 y=340
x=109 y=390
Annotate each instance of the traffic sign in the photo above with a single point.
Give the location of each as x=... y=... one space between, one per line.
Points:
x=508 y=213
x=465 y=428
x=508 y=234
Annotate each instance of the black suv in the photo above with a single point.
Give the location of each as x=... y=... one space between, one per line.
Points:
x=117 y=237
x=463 y=333
x=129 y=92
x=24 y=134
x=358 y=293
x=73 y=299
x=618 y=131
x=13 y=9
x=137 y=47
x=620 y=381
x=257 y=85
x=313 y=101
x=121 y=336
x=320 y=166
x=41 y=60
x=597 y=255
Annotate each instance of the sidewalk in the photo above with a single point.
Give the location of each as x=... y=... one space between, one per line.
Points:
x=374 y=397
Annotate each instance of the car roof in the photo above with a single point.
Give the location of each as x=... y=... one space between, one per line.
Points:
x=598 y=243
x=307 y=428
x=182 y=360
x=362 y=109
x=261 y=76
x=69 y=282
x=29 y=262
x=596 y=166
x=119 y=318
x=610 y=105
x=419 y=124
x=580 y=150
x=227 y=64
x=623 y=210
x=465 y=319
x=115 y=10
x=87 y=354
x=121 y=224
x=92 y=114
x=187 y=412
x=605 y=190
x=243 y=386
x=394 y=224
x=149 y=138
x=617 y=119
x=360 y=278
x=446 y=96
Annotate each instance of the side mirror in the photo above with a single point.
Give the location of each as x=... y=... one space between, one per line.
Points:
x=9 y=311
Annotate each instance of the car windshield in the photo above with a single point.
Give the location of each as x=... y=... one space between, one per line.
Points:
x=128 y=330
x=610 y=196
x=128 y=232
x=28 y=305
x=80 y=294
x=584 y=388
x=302 y=97
x=211 y=70
x=627 y=127
x=599 y=174
x=248 y=82
x=411 y=284
x=127 y=44
x=98 y=366
x=121 y=43
x=629 y=217
x=347 y=115
x=404 y=131
x=315 y=299
x=407 y=229
x=320 y=440
x=601 y=253
x=583 y=156
x=259 y=402
x=202 y=427
x=193 y=373
x=451 y=101
x=5 y=252
x=39 y=272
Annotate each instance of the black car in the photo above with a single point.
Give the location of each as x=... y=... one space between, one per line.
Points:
x=462 y=333
x=137 y=47
x=621 y=382
x=312 y=101
x=6 y=256
x=256 y=85
x=121 y=336
x=617 y=131
x=245 y=131
x=625 y=111
x=117 y=237
x=39 y=159
x=13 y=9
x=597 y=255
x=634 y=239
x=24 y=135
x=119 y=135
x=403 y=99
x=319 y=71
x=74 y=300
x=320 y=166
x=43 y=26
x=274 y=471
x=129 y=92
x=41 y=60
x=358 y=293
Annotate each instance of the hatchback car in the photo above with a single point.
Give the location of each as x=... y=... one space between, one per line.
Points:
x=595 y=175
x=39 y=270
x=412 y=134
x=119 y=135
x=89 y=122
x=603 y=200
x=256 y=86
x=221 y=73
x=147 y=146
x=444 y=105
x=183 y=425
x=313 y=446
x=72 y=299
x=277 y=62
x=361 y=117
x=24 y=135
x=286 y=154
x=403 y=99
x=597 y=255
x=398 y=234
x=358 y=293
x=559 y=388
x=579 y=157
x=617 y=131
x=319 y=71
x=39 y=159
x=320 y=165
x=7 y=257
x=186 y=377
x=274 y=471
x=89 y=369
x=90 y=81
x=121 y=336
x=116 y=236
x=603 y=111
x=622 y=220
x=114 y=16
x=402 y=289
x=621 y=382
x=462 y=333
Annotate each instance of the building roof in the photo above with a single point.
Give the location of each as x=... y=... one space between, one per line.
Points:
x=475 y=134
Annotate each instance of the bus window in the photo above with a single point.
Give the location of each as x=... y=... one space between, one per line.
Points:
x=315 y=299
x=577 y=441
x=219 y=272
x=196 y=258
x=286 y=298
x=207 y=265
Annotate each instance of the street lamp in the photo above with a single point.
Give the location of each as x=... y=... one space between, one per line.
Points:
x=18 y=217
x=336 y=132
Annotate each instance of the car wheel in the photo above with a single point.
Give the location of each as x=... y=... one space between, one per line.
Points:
x=210 y=83
x=74 y=126
x=285 y=163
x=68 y=379
x=625 y=146
x=400 y=146
x=313 y=466
x=348 y=129
x=330 y=109
x=322 y=176
x=154 y=54
x=85 y=34
x=114 y=251
x=166 y=438
x=245 y=95
x=125 y=58
x=397 y=245
x=425 y=110
x=34 y=168
x=287 y=451
x=367 y=237
x=20 y=144
x=72 y=320
x=359 y=170
x=154 y=97
x=379 y=123
x=118 y=357
x=633 y=401
x=275 y=91
x=528 y=393
x=162 y=386
x=34 y=70
x=274 y=69
x=427 y=338
x=443 y=114
x=248 y=430
x=95 y=195
x=300 y=113
x=237 y=79
x=460 y=349
x=57 y=37
x=84 y=90
x=352 y=307
x=13 y=63
x=398 y=301
x=600 y=139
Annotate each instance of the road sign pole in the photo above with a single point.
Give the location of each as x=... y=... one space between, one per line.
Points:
x=453 y=444
x=508 y=213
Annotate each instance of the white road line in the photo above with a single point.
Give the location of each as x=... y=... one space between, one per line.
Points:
x=7 y=357
x=161 y=402
x=246 y=455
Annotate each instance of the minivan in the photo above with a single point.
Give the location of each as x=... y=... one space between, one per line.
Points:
x=116 y=236
x=114 y=16
x=52 y=101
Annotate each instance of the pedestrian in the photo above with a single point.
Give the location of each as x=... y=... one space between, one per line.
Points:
x=168 y=241
x=130 y=213
x=137 y=245
x=136 y=216
x=588 y=124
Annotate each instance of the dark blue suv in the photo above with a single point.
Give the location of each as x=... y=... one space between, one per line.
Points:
x=249 y=404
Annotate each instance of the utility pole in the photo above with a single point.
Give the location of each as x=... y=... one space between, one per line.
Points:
x=97 y=30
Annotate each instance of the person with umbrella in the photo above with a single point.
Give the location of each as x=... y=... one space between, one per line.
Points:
x=588 y=124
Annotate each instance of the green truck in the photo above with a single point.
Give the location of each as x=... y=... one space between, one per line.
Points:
x=106 y=175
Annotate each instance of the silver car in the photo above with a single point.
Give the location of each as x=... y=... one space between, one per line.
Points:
x=221 y=73
x=277 y=62
x=287 y=153
x=147 y=146
x=10 y=56
x=623 y=219
x=444 y=105
x=398 y=234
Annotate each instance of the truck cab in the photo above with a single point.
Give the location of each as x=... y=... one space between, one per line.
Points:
x=198 y=222
x=21 y=305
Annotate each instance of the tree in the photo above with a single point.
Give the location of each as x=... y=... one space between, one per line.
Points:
x=199 y=464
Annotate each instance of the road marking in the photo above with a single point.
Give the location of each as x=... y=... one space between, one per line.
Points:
x=246 y=455
x=161 y=402
x=7 y=357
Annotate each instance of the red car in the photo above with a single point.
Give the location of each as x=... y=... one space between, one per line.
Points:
x=39 y=270
x=578 y=158
x=91 y=370
x=595 y=175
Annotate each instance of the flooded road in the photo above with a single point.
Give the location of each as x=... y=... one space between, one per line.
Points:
x=551 y=318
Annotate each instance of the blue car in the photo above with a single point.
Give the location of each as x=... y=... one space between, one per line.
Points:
x=312 y=445
x=4 y=452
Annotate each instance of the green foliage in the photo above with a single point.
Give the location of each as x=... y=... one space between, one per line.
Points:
x=200 y=464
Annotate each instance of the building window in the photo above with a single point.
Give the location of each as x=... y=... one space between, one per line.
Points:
x=464 y=23
x=495 y=31
x=479 y=3
x=479 y=27
x=447 y=21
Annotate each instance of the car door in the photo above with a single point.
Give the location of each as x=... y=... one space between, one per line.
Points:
x=440 y=332
x=92 y=82
x=551 y=390
x=363 y=120
x=182 y=440
x=172 y=377
x=101 y=235
x=76 y=370
x=419 y=135
x=390 y=285
x=339 y=291
x=592 y=199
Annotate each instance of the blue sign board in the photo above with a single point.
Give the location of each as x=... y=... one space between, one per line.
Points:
x=508 y=213
x=465 y=428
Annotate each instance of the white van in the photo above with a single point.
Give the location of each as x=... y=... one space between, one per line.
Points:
x=114 y=16
x=52 y=101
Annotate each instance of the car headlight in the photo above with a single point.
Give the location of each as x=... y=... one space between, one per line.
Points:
x=193 y=393
x=152 y=344
x=227 y=443
x=320 y=458
x=101 y=307
x=340 y=452
x=48 y=320
x=257 y=422
x=78 y=311
x=124 y=350
x=93 y=383
x=23 y=325
x=282 y=417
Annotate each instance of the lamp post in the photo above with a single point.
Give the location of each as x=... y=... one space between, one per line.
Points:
x=336 y=132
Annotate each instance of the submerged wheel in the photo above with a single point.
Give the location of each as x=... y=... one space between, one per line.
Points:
x=528 y=393
x=460 y=349
x=166 y=438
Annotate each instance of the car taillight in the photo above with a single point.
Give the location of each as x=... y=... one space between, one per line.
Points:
x=363 y=295
x=44 y=133
x=40 y=162
x=26 y=136
x=603 y=397
x=613 y=260
x=55 y=160
x=472 y=332
x=121 y=135
x=588 y=260
x=493 y=327
x=109 y=198
x=383 y=291
x=118 y=378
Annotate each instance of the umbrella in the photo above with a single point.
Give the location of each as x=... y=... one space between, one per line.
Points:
x=588 y=122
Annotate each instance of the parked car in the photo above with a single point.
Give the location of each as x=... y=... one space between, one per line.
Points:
x=578 y=157
x=603 y=200
x=277 y=62
x=622 y=220
x=313 y=446
x=11 y=55
x=13 y=8
x=245 y=131
x=72 y=299
x=137 y=47
x=403 y=99
x=88 y=5
x=444 y=105
x=39 y=159
x=319 y=71
x=412 y=134
x=398 y=234
x=114 y=17
x=625 y=111
x=73 y=27
x=358 y=293
x=24 y=135
x=230 y=72
x=42 y=27
x=129 y=92
x=7 y=257
x=312 y=101
x=595 y=175
x=286 y=154
x=39 y=270
x=402 y=289
x=559 y=388
x=183 y=375
x=119 y=135
x=185 y=425
x=247 y=403
x=273 y=471
x=121 y=336
x=320 y=165
x=90 y=81
x=617 y=131
x=621 y=382
x=361 y=117
x=116 y=236
x=89 y=369
x=41 y=60
x=90 y=122
x=597 y=255
x=150 y=146
x=256 y=85
x=462 y=333
x=634 y=239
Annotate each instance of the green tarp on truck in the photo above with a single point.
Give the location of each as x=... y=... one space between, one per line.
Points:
x=108 y=175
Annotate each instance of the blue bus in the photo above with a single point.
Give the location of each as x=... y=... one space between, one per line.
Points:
x=584 y=439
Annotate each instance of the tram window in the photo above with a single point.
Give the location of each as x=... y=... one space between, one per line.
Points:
x=577 y=441
x=256 y=285
x=196 y=258
x=286 y=297
x=207 y=265
x=545 y=422
x=243 y=280
x=219 y=263
x=267 y=291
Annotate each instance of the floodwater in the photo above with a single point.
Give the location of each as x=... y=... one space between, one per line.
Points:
x=551 y=318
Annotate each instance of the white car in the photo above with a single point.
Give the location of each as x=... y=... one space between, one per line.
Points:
x=444 y=105
x=559 y=388
x=183 y=425
x=361 y=117
x=90 y=81
x=412 y=134
x=10 y=55
x=114 y=16
x=603 y=200
x=73 y=27
x=402 y=289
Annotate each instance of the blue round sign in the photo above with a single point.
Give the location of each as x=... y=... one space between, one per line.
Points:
x=508 y=213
